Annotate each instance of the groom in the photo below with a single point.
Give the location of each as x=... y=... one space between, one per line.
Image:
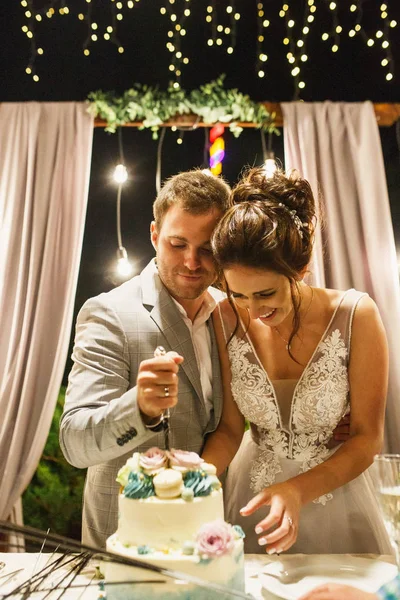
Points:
x=117 y=389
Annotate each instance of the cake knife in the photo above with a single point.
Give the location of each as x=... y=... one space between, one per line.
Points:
x=160 y=351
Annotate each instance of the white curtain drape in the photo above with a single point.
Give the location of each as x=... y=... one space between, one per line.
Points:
x=45 y=156
x=336 y=146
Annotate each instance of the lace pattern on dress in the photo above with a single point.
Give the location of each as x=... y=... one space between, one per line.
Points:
x=251 y=388
x=319 y=402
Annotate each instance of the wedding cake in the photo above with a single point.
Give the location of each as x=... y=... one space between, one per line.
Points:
x=171 y=515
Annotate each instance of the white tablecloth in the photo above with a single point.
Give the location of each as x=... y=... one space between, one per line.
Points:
x=86 y=586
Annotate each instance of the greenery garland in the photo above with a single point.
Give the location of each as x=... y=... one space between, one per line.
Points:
x=211 y=103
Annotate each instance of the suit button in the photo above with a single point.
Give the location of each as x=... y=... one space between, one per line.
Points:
x=120 y=442
x=132 y=433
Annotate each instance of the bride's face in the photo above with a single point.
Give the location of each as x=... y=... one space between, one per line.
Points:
x=265 y=294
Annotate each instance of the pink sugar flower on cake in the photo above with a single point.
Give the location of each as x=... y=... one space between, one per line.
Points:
x=214 y=539
x=183 y=460
x=153 y=461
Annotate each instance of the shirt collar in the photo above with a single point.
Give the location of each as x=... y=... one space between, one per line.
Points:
x=204 y=312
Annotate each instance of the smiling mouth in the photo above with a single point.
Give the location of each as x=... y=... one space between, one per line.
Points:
x=268 y=314
x=194 y=277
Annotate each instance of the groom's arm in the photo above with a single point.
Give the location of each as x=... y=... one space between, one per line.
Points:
x=341 y=433
x=102 y=418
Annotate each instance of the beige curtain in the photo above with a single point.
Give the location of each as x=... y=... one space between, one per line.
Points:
x=336 y=146
x=45 y=155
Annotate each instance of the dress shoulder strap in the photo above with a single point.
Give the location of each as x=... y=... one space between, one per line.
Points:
x=229 y=319
x=343 y=317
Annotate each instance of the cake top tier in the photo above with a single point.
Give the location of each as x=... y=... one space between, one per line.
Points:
x=168 y=475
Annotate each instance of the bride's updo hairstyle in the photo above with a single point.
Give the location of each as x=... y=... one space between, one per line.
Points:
x=270 y=225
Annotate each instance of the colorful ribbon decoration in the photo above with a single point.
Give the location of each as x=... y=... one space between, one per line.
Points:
x=217 y=148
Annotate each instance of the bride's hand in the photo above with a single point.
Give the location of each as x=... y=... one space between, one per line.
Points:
x=285 y=502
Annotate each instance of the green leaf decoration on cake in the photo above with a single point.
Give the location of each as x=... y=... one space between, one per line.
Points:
x=238 y=531
x=205 y=560
x=199 y=482
x=145 y=549
x=139 y=485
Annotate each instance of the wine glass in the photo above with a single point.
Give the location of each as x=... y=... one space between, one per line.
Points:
x=387 y=482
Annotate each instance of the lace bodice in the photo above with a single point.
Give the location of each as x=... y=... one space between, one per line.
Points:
x=320 y=398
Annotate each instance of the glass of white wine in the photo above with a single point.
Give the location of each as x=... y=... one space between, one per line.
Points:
x=387 y=482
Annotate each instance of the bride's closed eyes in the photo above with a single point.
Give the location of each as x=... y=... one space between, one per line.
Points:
x=256 y=294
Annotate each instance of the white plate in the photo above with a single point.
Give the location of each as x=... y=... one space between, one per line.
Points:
x=294 y=575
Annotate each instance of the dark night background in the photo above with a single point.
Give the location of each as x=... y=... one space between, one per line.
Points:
x=352 y=74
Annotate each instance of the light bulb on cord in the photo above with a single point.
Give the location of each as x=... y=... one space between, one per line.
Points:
x=120 y=174
x=124 y=267
x=270 y=165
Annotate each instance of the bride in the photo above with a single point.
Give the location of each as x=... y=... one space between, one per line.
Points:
x=295 y=359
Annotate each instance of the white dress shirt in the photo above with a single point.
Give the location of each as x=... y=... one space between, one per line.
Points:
x=202 y=345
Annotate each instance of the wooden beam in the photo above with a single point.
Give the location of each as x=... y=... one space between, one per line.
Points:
x=386 y=115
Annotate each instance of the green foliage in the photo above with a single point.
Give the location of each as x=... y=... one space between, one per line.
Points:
x=53 y=499
x=212 y=103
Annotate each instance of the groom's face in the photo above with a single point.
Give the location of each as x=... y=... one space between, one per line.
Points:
x=184 y=258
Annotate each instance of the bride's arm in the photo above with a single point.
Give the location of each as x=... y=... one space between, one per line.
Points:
x=222 y=445
x=368 y=378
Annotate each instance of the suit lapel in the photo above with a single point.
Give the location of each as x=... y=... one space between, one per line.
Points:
x=216 y=379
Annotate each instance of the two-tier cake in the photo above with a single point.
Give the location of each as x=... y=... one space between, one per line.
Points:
x=171 y=515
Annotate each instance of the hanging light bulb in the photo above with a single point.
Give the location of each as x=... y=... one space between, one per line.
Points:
x=124 y=267
x=270 y=165
x=120 y=174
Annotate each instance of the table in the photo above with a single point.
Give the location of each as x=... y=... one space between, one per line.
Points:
x=30 y=563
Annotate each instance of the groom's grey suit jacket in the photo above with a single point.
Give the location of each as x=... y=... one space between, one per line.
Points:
x=101 y=425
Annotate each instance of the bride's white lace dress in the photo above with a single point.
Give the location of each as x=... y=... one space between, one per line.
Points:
x=291 y=423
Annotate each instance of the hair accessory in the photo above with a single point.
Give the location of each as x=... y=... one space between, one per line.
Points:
x=295 y=218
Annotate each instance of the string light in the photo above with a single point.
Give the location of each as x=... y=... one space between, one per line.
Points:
x=222 y=25
x=262 y=25
x=177 y=31
x=297 y=35
x=52 y=8
x=222 y=19
x=297 y=45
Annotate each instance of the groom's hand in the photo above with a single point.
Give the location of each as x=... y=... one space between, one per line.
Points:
x=341 y=433
x=157 y=384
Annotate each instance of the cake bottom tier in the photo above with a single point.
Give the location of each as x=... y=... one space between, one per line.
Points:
x=226 y=570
